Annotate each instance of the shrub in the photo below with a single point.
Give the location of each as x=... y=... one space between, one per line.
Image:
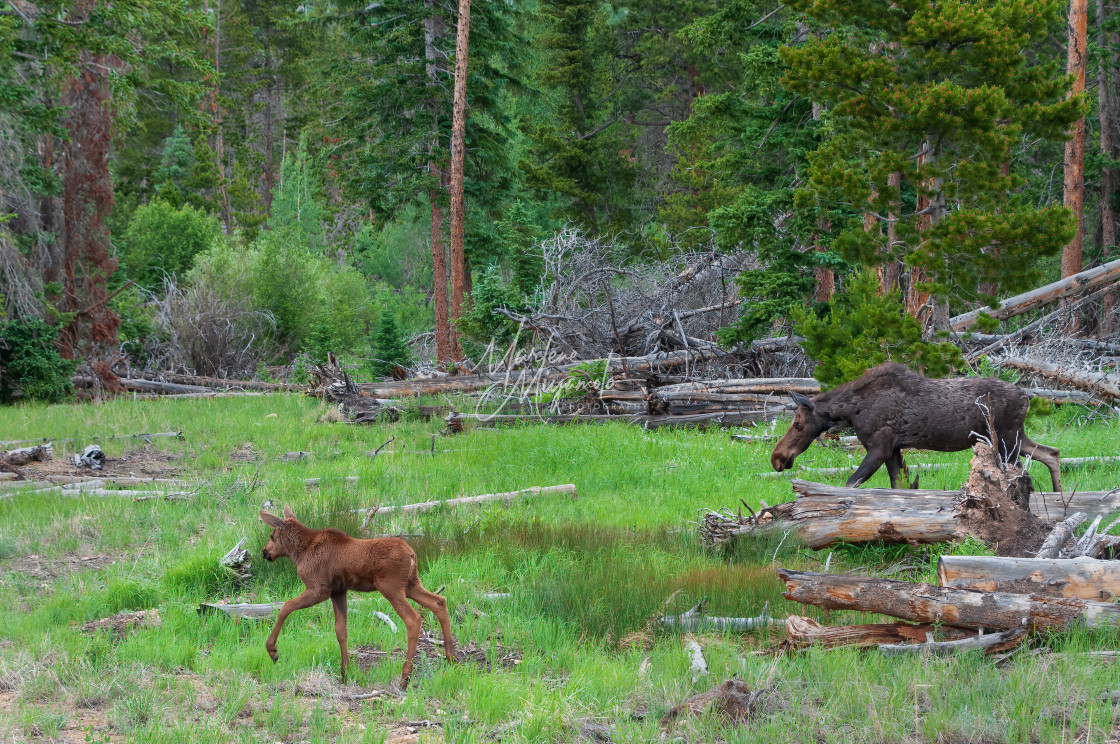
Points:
x=863 y=328
x=480 y=322
x=30 y=362
x=162 y=239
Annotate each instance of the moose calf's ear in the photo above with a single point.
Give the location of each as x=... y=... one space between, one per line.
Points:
x=288 y=512
x=801 y=400
x=271 y=519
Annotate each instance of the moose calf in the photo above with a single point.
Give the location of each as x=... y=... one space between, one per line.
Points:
x=329 y=563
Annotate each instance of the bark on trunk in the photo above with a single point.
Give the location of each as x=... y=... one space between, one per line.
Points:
x=433 y=30
x=1083 y=578
x=803 y=631
x=890 y=271
x=962 y=608
x=1074 y=166
x=458 y=147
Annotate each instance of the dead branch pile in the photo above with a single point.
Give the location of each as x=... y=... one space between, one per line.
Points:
x=332 y=384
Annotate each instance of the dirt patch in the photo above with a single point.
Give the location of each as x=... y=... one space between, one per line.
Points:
x=734 y=700
x=995 y=505
x=145 y=462
x=429 y=653
x=244 y=453
x=48 y=569
x=121 y=623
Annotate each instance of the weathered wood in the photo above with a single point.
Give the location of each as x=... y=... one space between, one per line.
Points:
x=23 y=455
x=715 y=418
x=1068 y=287
x=694 y=620
x=1078 y=462
x=924 y=603
x=1098 y=383
x=1085 y=578
x=1059 y=536
x=1050 y=505
x=698 y=666
x=989 y=643
x=216 y=382
x=527 y=377
x=804 y=631
x=1061 y=396
x=742 y=386
x=242 y=610
x=508 y=496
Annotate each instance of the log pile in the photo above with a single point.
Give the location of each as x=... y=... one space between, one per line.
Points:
x=331 y=383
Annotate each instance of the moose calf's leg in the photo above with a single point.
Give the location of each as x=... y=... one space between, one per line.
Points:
x=438 y=606
x=412 y=622
x=309 y=598
x=339 y=601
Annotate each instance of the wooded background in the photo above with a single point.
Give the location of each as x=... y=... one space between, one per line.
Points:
x=217 y=186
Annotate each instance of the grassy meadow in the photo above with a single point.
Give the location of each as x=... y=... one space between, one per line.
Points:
x=574 y=643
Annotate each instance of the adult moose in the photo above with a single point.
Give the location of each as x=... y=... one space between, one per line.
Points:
x=893 y=408
x=330 y=563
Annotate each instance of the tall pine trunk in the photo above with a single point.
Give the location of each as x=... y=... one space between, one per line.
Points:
x=826 y=279
x=433 y=29
x=1074 y=191
x=458 y=148
x=890 y=271
x=1104 y=106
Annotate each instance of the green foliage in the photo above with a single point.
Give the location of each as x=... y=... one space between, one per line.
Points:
x=768 y=294
x=175 y=167
x=30 y=362
x=987 y=368
x=864 y=328
x=388 y=346
x=583 y=379
x=163 y=239
x=297 y=213
x=492 y=291
x=986 y=323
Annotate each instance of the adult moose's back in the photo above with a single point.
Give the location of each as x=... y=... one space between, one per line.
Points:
x=893 y=408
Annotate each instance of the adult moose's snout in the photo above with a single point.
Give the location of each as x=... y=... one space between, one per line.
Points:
x=780 y=462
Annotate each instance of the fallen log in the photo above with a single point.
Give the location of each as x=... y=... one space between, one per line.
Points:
x=694 y=620
x=716 y=418
x=508 y=496
x=1050 y=505
x=1098 y=383
x=1062 y=396
x=698 y=666
x=1059 y=536
x=1068 y=287
x=147 y=386
x=1085 y=578
x=20 y=457
x=763 y=386
x=216 y=382
x=804 y=631
x=989 y=643
x=962 y=608
x=659 y=361
x=242 y=610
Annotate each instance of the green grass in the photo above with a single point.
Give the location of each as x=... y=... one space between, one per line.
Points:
x=586 y=577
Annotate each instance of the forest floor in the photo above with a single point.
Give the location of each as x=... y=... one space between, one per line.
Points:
x=573 y=653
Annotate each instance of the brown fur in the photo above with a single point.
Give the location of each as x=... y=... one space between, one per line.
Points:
x=893 y=408
x=329 y=563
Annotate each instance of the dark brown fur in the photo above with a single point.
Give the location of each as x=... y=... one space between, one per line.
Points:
x=893 y=408
x=330 y=563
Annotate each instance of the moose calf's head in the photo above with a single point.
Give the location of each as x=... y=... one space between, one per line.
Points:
x=276 y=547
x=808 y=424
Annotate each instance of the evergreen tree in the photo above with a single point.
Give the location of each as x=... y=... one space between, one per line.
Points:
x=939 y=93
x=388 y=346
x=175 y=168
x=297 y=211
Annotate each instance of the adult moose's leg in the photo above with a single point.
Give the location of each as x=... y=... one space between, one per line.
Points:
x=309 y=598
x=1048 y=456
x=438 y=606
x=896 y=465
x=338 y=599
x=880 y=448
x=412 y=621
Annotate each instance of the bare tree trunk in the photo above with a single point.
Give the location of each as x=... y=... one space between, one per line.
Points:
x=219 y=146
x=917 y=300
x=826 y=279
x=1104 y=106
x=1074 y=191
x=890 y=271
x=269 y=176
x=458 y=147
x=433 y=29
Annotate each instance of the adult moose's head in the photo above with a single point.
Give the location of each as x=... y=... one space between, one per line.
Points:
x=808 y=424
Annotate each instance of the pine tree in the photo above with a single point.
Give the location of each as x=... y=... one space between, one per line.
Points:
x=388 y=346
x=939 y=93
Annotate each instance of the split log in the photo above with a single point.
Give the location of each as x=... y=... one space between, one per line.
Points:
x=1098 y=383
x=960 y=608
x=698 y=667
x=1068 y=287
x=22 y=456
x=1084 y=578
x=989 y=643
x=803 y=631
x=243 y=610
x=507 y=497
x=1059 y=536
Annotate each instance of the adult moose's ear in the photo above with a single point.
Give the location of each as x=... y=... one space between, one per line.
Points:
x=289 y=513
x=802 y=400
x=271 y=519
